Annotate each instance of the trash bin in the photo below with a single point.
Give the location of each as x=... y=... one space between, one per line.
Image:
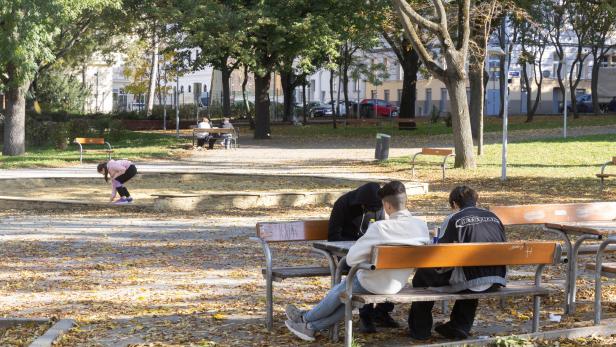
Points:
x=382 y=147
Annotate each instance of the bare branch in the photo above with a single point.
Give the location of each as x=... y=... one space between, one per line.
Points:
x=405 y=8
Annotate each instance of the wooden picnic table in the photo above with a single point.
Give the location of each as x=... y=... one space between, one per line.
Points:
x=605 y=231
x=337 y=248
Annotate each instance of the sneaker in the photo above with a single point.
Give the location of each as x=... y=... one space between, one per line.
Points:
x=383 y=319
x=294 y=314
x=129 y=199
x=366 y=325
x=300 y=330
x=121 y=201
x=449 y=331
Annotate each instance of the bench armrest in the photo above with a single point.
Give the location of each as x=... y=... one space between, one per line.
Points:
x=109 y=145
x=604 y=166
x=351 y=276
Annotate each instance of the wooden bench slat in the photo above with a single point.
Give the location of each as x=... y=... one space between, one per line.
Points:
x=614 y=160
x=592 y=249
x=90 y=140
x=409 y=295
x=295 y=272
x=436 y=151
x=607 y=269
x=311 y=230
x=606 y=175
x=468 y=254
x=546 y=213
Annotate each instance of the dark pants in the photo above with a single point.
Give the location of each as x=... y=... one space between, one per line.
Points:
x=371 y=311
x=201 y=142
x=420 y=317
x=125 y=177
x=212 y=141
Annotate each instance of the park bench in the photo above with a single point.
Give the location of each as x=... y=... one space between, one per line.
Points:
x=387 y=257
x=81 y=141
x=291 y=232
x=603 y=175
x=539 y=214
x=444 y=152
x=233 y=131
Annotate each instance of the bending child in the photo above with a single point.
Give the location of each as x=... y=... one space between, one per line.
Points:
x=399 y=228
x=120 y=171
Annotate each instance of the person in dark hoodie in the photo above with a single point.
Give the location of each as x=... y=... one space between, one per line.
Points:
x=349 y=220
x=467 y=224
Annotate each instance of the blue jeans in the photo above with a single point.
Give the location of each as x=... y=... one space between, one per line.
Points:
x=331 y=310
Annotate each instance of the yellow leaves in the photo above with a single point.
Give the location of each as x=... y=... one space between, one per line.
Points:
x=219 y=316
x=518 y=315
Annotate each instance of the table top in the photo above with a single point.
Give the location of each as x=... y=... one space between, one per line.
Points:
x=335 y=247
x=600 y=228
x=212 y=130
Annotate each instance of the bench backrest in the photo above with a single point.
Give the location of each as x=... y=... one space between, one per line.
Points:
x=550 y=213
x=436 y=151
x=308 y=230
x=614 y=160
x=90 y=140
x=465 y=254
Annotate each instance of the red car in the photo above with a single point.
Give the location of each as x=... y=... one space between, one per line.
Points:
x=383 y=108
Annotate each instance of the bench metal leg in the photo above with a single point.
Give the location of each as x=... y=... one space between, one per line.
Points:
x=444 y=164
x=330 y=262
x=445 y=306
x=413 y=164
x=603 y=172
x=598 y=267
x=269 y=296
x=573 y=270
x=80 y=152
x=333 y=333
x=569 y=248
x=537 y=300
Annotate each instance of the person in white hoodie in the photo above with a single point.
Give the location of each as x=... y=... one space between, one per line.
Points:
x=400 y=228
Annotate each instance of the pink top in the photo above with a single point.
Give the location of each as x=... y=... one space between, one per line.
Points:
x=117 y=167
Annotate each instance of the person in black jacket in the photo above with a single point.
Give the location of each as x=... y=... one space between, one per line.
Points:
x=468 y=224
x=349 y=220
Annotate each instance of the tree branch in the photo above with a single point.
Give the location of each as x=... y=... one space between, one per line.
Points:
x=405 y=8
x=411 y=32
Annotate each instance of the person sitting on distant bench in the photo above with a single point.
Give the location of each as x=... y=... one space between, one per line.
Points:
x=611 y=107
x=226 y=124
x=202 y=137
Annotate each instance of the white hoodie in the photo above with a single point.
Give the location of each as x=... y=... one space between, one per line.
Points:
x=400 y=229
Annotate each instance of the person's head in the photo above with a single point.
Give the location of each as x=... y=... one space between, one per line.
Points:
x=462 y=197
x=102 y=169
x=366 y=196
x=393 y=195
x=205 y=120
x=225 y=120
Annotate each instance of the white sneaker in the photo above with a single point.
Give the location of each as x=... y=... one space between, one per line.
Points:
x=300 y=330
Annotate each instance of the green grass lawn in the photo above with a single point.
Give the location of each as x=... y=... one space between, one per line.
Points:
x=426 y=128
x=132 y=145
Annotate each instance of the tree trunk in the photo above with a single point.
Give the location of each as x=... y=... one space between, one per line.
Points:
x=529 y=92
x=461 y=123
x=153 y=74
x=286 y=80
x=594 y=84
x=226 y=92
x=331 y=97
x=251 y=121
x=304 y=102
x=15 y=121
x=345 y=88
x=409 y=84
x=262 y=105
x=475 y=77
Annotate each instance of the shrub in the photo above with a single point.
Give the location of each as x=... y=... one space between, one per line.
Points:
x=447 y=120
x=435 y=115
x=59 y=134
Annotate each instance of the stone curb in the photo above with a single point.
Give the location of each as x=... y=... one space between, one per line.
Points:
x=51 y=335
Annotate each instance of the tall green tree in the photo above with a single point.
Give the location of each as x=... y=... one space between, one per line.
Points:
x=34 y=33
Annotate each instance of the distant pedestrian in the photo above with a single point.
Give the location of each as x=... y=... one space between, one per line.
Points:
x=120 y=171
x=611 y=107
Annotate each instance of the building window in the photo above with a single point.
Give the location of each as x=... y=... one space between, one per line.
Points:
x=181 y=89
x=189 y=88
x=373 y=94
x=443 y=102
x=399 y=95
x=386 y=95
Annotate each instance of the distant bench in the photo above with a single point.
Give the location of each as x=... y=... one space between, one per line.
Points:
x=81 y=141
x=453 y=255
x=603 y=175
x=443 y=152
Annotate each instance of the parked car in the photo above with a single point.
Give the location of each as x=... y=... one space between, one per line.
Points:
x=321 y=110
x=342 y=107
x=383 y=108
x=584 y=104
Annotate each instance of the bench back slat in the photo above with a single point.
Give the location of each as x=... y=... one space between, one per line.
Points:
x=90 y=140
x=467 y=254
x=436 y=151
x=309 y=230
x=546 y=213
x=614 y=160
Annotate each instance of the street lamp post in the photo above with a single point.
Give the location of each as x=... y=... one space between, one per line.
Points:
x=565 y=108
x=177 y=107
x=96 y=98
x=505 y=94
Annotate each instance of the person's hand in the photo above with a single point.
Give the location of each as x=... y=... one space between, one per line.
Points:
x=111 y=199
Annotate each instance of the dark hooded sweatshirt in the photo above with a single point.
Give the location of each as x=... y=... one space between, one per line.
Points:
x=353 y=211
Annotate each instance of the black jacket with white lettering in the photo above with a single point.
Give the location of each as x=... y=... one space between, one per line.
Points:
x=474 y=224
